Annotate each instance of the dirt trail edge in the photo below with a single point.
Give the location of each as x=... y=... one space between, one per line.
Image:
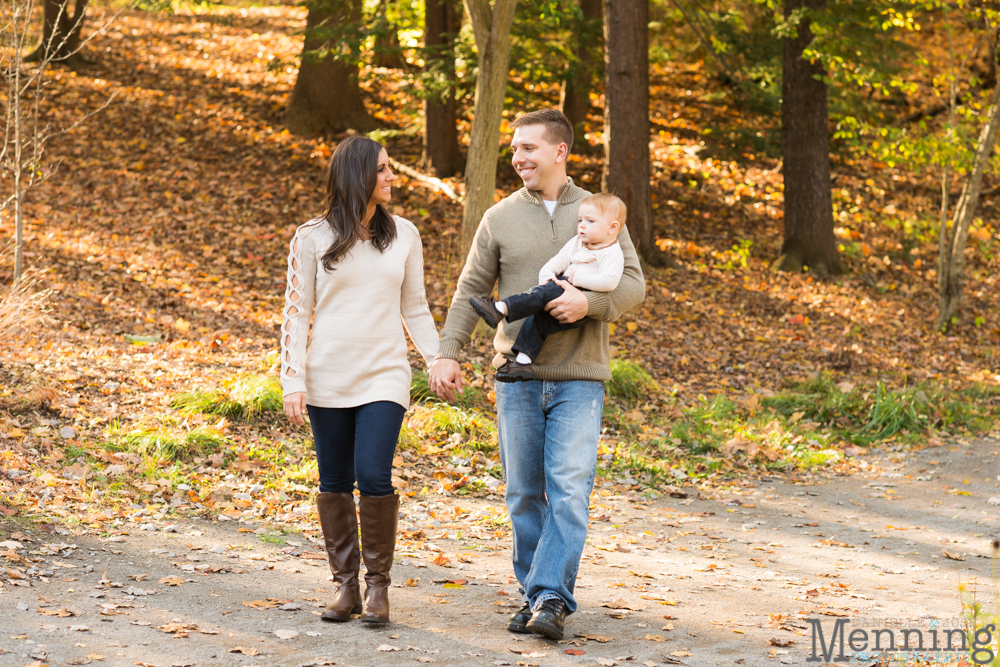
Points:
x=707 y=580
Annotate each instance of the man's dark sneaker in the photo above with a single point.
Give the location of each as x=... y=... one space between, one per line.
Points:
x=486 y=308
x=519 y=619
x=549 y=619
x=515 y=372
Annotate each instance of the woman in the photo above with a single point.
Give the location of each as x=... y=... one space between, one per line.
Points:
x=357 y=269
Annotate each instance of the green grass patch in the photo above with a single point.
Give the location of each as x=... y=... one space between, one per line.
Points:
x=437 y=427
x=160 y=442
x=867 y=415
x=273 y=538
x=420 y=392
x=805 y=426
x=246 y=398
x=630 y=382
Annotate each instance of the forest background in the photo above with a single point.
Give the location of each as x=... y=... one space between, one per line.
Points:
x=171 y=148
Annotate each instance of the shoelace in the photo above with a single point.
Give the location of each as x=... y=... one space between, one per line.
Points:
x=553 y=605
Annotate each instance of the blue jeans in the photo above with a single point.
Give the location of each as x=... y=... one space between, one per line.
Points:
x=548 y=435
x=356 y=444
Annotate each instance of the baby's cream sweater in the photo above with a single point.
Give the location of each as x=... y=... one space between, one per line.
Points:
x=597 y=270
x=357 y=351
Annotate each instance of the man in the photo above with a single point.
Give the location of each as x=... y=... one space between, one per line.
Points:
x=548 y=427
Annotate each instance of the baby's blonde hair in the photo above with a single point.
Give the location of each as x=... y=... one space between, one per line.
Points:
x=605 y=202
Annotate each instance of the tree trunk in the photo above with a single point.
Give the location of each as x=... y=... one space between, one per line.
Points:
x=809 y=240
x=387 y=51
x=575 y=100
x=492 y=33
x=60 y=33
x=442 y=154
x=626 y=118
x=327 y=98
x=952 y=261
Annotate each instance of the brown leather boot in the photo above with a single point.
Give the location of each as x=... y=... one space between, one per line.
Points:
x=379 y=516
x=339 y=521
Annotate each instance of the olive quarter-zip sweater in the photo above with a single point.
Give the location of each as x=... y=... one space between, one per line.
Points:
x=515 y=238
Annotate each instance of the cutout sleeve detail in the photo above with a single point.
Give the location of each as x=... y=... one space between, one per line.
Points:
x=300 y=294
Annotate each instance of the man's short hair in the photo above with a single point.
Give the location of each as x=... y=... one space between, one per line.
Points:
x=605 y=202
x=558 y=129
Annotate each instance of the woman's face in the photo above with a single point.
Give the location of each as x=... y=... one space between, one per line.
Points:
x=383 y=187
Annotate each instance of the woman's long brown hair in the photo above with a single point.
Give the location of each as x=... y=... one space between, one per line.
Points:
x=350 y=182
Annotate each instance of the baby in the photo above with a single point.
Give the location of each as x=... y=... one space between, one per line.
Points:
x=591 y=260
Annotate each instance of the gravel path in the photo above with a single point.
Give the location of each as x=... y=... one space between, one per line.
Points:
x=719 y=578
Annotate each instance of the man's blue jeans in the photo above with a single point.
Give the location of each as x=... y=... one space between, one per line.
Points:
x=548 y=447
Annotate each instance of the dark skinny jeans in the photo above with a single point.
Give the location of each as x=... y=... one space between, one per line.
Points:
x=356 y=444
x=538 y=324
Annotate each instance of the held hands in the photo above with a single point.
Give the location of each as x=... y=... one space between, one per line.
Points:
x=572 y=306
x=445 y=378
x=295 y=407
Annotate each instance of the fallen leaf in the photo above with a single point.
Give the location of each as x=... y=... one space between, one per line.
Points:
x=388 y=647
x=948 y=554
x=775 y=641
x=63 y=613
x=574 y=651
x=285 y=634
x=606 y=662
x=681 y=654
x=656 y=638
x=600 y=639
x=244 y=651
x=740 y=444
x=622 y=603
x=172 y=580
x=269 y=603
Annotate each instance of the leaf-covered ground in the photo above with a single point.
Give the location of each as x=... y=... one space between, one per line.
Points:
x=163 y=239
x=728 y=575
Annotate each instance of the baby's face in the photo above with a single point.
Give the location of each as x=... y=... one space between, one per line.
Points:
x=596 y=228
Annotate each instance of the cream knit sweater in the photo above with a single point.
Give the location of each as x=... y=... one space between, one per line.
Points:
x=357 y=351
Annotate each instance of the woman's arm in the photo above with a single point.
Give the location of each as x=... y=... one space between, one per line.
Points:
x=416 y=313
x=300 y=296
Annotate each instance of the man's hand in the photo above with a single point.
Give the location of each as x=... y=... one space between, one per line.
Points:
x=572 y=306
x=445 y=378
x=295 y=407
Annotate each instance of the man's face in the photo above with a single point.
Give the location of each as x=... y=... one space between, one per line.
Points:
x=534 y=158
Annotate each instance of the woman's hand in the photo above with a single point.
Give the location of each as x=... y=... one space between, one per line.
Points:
x=445 y=378
x=295 y=407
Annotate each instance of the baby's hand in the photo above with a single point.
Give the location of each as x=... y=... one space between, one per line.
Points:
x=571 y=274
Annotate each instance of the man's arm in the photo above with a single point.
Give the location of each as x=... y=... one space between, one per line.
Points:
x=631 y=290
x=482 y=267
